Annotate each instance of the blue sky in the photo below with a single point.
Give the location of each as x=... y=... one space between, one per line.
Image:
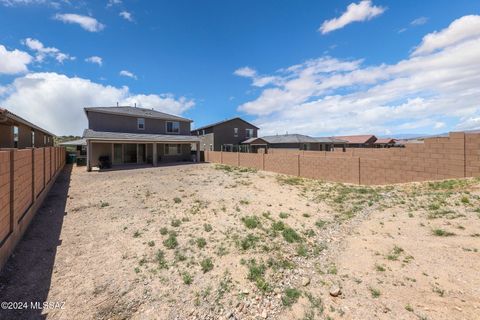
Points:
x=382 y=67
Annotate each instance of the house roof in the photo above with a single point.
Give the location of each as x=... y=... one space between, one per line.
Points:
x=294 y=138
x=137 y=112
x=6 y=114
x=89 y=134
x=79 y=142
x=260 y=141
x=221 y=122
x=330 y=140
x=357 y=139
x=384 y=141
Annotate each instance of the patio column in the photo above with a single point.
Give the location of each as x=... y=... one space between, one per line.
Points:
x=137 y=154
x=89 y=154
x=155 y=156
x=198 y=152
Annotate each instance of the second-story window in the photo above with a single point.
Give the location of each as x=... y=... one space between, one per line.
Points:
x=173 y=127
x=140 y=123
x=15 y=137
x=235 y=132
x=249 y=133
x=33 y=138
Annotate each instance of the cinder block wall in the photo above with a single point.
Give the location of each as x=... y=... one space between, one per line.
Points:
x=26 y=176
x=455 y=156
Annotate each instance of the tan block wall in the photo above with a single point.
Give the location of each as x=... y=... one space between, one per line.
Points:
x=4 y=194
x=455 y=156
x=251 y=160
x=330 y=169
x=39 y=171
x=48 y=170
x=230 y=158
x=211 y=156
x=472 y=155
x=23 y=180
x=282 y=163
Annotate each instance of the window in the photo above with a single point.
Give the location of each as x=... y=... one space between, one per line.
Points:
x=173 y=149
x=249 y=133
x=203 y=132
x=15 y=137
x=44 y=140
x=173 y=127
x=235 y=132
x=140 y=123
x=33 y=138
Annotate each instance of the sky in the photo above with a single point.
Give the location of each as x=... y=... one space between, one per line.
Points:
x=319 y=68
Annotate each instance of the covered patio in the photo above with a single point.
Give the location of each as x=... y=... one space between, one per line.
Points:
x=113 y=149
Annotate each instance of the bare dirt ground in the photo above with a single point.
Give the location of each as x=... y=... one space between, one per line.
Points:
x=216 y=242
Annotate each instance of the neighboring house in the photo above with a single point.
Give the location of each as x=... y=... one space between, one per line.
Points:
x=225 y=135
x=129 y=135
x=16 y=132
x=292 y=141
x=358 y=141
x=385 y=143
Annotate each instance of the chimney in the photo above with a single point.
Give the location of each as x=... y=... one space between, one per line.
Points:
x=117 y=103
x=135 y=104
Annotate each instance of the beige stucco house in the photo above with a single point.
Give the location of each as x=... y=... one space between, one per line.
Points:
x=125 y=135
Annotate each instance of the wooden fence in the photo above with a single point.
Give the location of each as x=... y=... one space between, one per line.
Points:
x=26 y=176
x=455 y=156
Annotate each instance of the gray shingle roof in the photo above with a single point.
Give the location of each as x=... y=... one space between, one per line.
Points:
x=223 y=121
x=79 y=142
x=137 y=112
x=329 y=140
x=10 y=115
x=295 y=138
x=101 y=135
x=289 y=138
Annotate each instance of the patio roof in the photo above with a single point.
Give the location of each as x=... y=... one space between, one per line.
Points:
x=89 y=134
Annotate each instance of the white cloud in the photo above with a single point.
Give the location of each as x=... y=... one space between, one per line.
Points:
x=419 y=21
x=246 y=72
x=88 y=23
x=41 y=52
x=95 y=59
x=462 y=29
x=12 y=62
x=128 y=74
x=126 y=15
x=14 y=3
x=257 y=80
x=55 y=101
x=355 y=13
x=331 y=96
x=113 y=2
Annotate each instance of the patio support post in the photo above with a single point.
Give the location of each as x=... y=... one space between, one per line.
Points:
x=198 y=151
x=89 y=154
x=155 y=156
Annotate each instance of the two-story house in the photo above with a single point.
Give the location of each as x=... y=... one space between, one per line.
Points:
x=225 y=135
x=129 y=135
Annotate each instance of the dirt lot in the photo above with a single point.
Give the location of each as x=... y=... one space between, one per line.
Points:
x=216 y=242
